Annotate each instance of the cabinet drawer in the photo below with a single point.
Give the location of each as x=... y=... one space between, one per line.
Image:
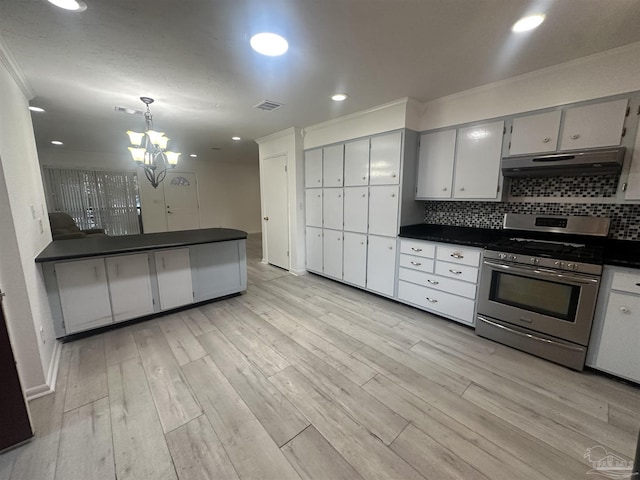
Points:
x=458 y=255
x=416 y=263
x=442 y=303
x=459 y=272
x=418 y=248
x=626 y=282
x=436 y=282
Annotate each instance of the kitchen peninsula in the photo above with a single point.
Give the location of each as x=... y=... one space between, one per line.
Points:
x=98 y=281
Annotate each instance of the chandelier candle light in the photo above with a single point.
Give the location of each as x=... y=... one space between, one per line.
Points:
x=149 y=149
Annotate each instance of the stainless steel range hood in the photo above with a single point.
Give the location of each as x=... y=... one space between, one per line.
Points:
x=596 y=161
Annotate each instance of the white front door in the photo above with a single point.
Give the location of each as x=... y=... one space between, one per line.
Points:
x=275 y=211
x=181 y=201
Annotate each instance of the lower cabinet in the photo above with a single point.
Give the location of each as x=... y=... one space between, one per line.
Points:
x=354 y=263
x=130 y=286
x=332 y=253
x=218 y=269
x=313 y=243
x=381 y=265
x=174 y=278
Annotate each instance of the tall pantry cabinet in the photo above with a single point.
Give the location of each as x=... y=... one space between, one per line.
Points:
x=358 y=194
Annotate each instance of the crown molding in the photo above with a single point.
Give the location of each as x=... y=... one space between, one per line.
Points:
x=9 y=62
x=274 y=136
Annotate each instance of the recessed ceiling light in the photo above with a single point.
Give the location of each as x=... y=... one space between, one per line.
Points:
x=269 y=44
x=36 y=109
x=73 y=5
x=528 y=23
x=237 y=139
x=193 y=155
x=339 y=97
x=57 y=142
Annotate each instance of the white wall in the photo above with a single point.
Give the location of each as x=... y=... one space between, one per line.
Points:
x=600 y=75
x=24 y=233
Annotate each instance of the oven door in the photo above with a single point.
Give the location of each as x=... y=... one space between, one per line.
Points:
x=560 y=304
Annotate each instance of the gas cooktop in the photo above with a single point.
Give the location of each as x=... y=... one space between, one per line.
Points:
x=551 y=249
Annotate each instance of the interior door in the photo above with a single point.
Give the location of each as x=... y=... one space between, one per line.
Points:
x=275 y=211
x=181 y=201
x=14 y=417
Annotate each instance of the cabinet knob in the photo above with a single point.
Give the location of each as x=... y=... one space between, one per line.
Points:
x=393 y=195
x=364 y=178
x=318 y=180
x=546 y=140
x=364 y=195
x=318 y=196
x=393 y=175
x=432 y=300
x=338 y=180
x=575 y=136
x=339 y=195
x=361 y=242
x=390 y=247
x=266 y=218
x=624 y=309
x=444 y=189
x=462 y=189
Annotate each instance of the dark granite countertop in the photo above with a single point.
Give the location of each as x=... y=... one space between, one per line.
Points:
x=622 y=253
x=101 y=245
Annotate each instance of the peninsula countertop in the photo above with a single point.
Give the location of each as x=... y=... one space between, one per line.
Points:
x=101 y=245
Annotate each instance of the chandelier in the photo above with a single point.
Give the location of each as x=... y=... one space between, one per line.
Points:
x=149 y=149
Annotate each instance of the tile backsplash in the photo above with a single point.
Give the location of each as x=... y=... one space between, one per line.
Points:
x=581 y=187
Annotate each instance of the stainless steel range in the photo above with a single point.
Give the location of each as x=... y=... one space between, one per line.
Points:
x=538 y=288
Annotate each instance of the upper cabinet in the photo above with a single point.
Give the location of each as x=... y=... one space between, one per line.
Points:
x=632 y=185
x=385 y=157
x=356 y=163
x=535 y=133
x=598 y=125
x=435 y=168
x=313 y=168
x=333 y=166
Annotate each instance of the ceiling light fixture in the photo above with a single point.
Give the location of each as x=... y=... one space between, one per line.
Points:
x=270 y=44
x=528 y=23
x=36 y=109
x=236 y=139
x=339 y=97
x=149 y=149
x=57 y=142
x=73 y=5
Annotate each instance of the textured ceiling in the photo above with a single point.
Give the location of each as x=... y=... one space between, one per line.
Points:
x=193 y=57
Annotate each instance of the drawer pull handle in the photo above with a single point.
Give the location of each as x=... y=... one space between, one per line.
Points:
x=455 y=272
x=419 y=250
x=417 y=264
x=625 y=309
x=432 y=300
x=457 y=255
x=637 y=284
x=433 y=282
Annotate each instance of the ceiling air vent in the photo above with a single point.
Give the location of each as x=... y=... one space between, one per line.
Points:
x=268 y=105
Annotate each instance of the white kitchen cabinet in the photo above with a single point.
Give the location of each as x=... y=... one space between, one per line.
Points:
x=332 y=206
x=313 y=207
x=381 y=265
x=632 y=191
x=356 y=209
x=435 y=164
x=598 y=125
x=84 y=294
x=333 y=166
x=354 y=269
x=313 y=243
x=218 y=269
x=385 y=158
x=478 y=155
x=535 y=133
x=356 y=163
x=332 y=253
x=173 y=271
x=313 y=168
x=130 y=286
x=383 y=210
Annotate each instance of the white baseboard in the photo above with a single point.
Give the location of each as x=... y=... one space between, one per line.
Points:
x=49 y=387
x=297 y=273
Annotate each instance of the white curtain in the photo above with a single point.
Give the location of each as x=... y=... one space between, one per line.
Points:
x=95 y=199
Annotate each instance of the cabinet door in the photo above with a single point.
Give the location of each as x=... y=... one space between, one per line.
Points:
x=130 y=286
x=633 y=181
x=333 y=213
x=356 y=163
x=381 y=264
x=333 y=166
x=332 y=253
x=354 y=265
x=477 y=170
x=535 y=133
x=174 y=278
x=384 y=166
x=313 y=168
x=598 y=125
x=383 y=210
x=356 y=207
x=435 y=164
x=618 y=352
x=84 y=294
x=217 y=269
x=314 y=249
x=313 y=207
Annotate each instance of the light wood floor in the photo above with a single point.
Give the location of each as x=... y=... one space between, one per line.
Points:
x=302 y=377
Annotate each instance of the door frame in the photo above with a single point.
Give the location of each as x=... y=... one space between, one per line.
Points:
x=265 y=246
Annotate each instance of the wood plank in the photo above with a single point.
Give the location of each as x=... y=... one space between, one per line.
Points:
x=276 y=414
x=119 y=346
x=140 y=449
x=87 y=372
x=183 y=343
x=198 y=453
x=627 y=420
x=86 y=448
x=368 y=455
x=251 y=450
x=197 y=322
x=7 y=461
x=313 y=457
x=172 y=396
x=432 y=459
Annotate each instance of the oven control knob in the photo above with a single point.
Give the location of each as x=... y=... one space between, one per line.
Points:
x=513 y=258
x=502 y=256
x=535 y=261
x=559 y=264
x=572 y=266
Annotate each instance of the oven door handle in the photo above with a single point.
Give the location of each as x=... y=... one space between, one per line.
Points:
x=545 y=273
x=529 y=336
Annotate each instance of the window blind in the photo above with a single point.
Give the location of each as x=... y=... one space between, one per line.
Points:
x=95 y=199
